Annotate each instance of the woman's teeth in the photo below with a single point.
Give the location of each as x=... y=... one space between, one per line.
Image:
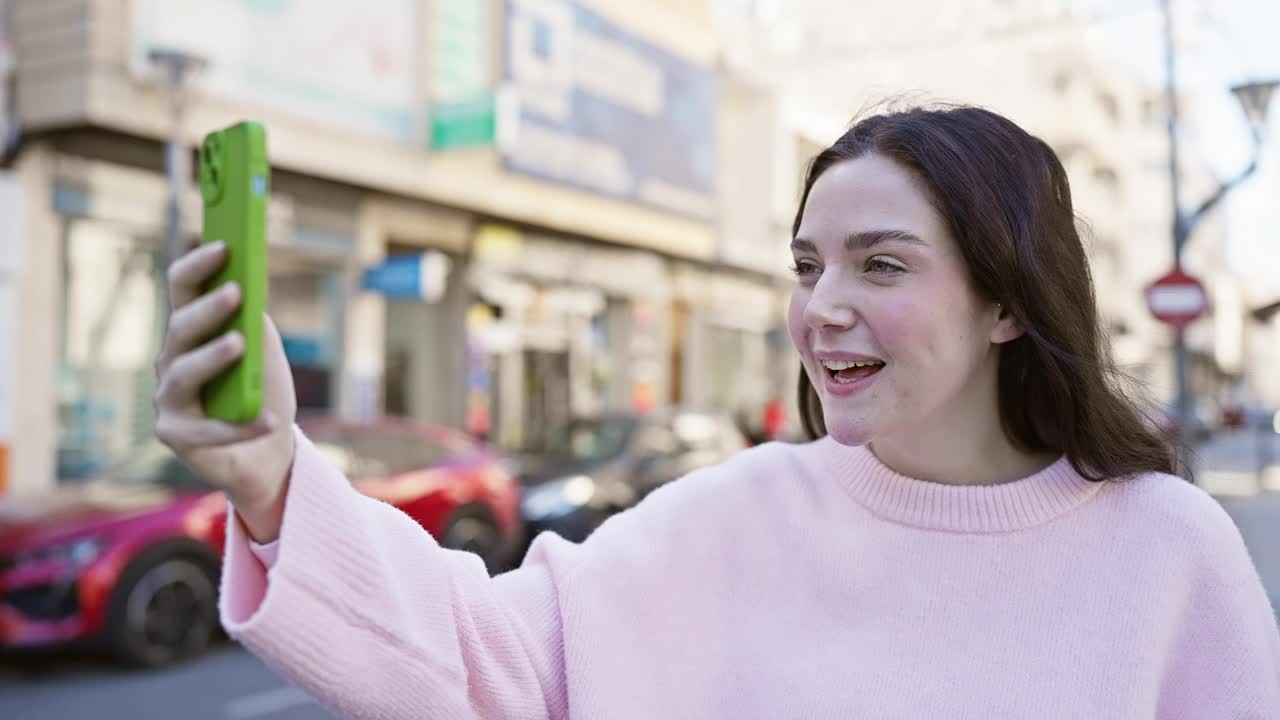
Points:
x=846 y=371
x=846 y=364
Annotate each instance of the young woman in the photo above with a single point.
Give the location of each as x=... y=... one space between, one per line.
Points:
x=983 y=527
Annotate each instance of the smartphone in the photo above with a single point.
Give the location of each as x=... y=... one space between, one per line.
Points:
x=235 y=180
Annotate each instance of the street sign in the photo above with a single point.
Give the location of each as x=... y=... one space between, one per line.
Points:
x=1177 y=299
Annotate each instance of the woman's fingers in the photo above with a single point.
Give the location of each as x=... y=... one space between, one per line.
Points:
x=191 y=431
x=181 y=381
x=190 y=273
x=196 y=321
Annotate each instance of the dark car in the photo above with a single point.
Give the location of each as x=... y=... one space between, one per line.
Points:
x=594 y=467
x=131 y=559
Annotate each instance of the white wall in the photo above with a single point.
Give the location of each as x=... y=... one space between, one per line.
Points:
x=39 y=313
x=11 y=252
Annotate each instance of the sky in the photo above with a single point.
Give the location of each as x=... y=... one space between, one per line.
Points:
x=1221 y=43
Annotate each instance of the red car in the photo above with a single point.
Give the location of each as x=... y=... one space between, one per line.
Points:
x=131 y=559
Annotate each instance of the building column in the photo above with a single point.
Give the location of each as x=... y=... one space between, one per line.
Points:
x=364 y=329
x=37 y=311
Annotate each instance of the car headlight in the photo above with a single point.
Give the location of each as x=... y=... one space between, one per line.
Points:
x=556 y=498
x=77 y=553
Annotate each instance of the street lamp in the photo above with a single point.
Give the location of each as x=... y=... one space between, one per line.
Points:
x=1266 y=312
x=178 y=66
x=1254 y=98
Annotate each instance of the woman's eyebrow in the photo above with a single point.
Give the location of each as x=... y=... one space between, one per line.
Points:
x=864 y=240
x=868 y=239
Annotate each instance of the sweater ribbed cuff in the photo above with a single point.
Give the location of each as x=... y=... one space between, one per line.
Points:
x=309 y=555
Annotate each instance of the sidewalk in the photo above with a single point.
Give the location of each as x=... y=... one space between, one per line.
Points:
x=1258 y=517
x=1228 y=470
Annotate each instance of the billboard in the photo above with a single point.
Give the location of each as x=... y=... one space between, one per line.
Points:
x=334 y=61
x=603 y=110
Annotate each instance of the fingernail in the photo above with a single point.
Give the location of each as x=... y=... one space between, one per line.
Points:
x=218 y=246
x=233 y=339
x=231 y=290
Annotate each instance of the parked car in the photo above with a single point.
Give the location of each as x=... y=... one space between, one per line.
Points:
x=595 y=467
x=130 y=560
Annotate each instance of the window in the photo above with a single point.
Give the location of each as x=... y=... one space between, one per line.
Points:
x=372 y=452
x=113 y=317
x=588 y=439
x=305 y=303
x=392 y=451
x=1106 y=176
x=656 y=440
x=154 y=464
x=1110 y=105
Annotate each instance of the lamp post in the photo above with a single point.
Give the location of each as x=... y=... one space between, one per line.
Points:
x=1254 y=98
x=177 y=67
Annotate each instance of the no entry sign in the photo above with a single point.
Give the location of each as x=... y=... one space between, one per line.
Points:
x=1177 y=299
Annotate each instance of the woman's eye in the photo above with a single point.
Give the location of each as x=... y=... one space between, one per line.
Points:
x=883 y=267
x=803 y=268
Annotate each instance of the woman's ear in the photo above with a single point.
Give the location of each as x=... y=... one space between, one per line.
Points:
x=1007 y=326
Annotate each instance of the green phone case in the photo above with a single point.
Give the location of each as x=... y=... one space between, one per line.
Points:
x=235 y=184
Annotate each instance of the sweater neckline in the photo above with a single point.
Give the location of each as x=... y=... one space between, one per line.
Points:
x=1005 y=507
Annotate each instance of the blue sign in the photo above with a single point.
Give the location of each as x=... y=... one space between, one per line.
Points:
x=603 y=110
x=420 y=276
x=305 y=350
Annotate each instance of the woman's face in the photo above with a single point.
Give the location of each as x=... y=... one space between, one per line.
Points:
x=881 y=283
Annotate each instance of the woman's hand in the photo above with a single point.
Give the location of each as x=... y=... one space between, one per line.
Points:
x=250 y=462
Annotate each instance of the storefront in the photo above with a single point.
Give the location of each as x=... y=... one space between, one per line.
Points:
x=560 y=328
x=113 y=304
x=358 y=175
x=426 y=354
x=732 y=349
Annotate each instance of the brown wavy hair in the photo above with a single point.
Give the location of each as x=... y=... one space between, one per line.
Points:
x=1004 y=196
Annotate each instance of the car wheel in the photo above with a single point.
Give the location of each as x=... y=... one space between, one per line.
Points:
x=473 y=529
x=164 y=610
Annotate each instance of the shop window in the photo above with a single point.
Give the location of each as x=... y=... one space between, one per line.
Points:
x=113 y=318
x=657 y=440
x=305 y=303
x=546 y=392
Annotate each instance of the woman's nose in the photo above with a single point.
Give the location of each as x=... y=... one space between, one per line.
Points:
x=828 y=307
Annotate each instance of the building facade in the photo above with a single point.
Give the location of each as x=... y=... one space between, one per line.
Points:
x=548 y=175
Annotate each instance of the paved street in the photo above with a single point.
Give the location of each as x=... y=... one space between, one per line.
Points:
x=228 y=684
x=1258 y=517
x=1230 y=465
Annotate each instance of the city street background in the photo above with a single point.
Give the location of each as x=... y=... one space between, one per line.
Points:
x=556 y=230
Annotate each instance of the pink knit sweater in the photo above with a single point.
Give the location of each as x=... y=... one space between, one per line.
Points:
x=794 y=581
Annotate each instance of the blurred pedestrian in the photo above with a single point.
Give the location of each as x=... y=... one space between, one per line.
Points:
x=984 y=525
x=775 y=416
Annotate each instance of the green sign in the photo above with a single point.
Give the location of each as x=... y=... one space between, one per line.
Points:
x=462 y=108
x=464 y=124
